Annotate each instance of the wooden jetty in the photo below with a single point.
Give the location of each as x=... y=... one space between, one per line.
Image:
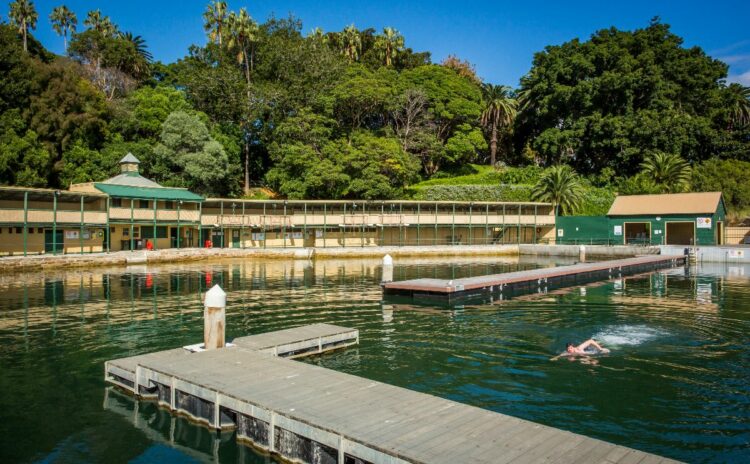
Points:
x=529 y=281
x=306 y=413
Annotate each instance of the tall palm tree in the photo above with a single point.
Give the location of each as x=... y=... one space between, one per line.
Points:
x=242 y=31
x=667 y=170
x=139 y=44
x=24 y=16
x=214 y=20
x=351 y=42
x=63 y=22
x=739 y=105
x=102 y=24
x=390 y=43
x=500 y=109
x=561 y=186
x=318 y=36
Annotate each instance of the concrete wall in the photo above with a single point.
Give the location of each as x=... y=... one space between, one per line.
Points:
x=599 y=251
x=712 y=254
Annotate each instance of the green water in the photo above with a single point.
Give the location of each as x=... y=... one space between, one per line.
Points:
x=677 y=382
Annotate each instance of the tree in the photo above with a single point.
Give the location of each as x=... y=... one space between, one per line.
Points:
x=101 y=24
x=351 y=43
x=739 y=105
x=214 y=20
x=188 y=156
x=63 y=21
x=138 y=44
x=605 y=101
x=24 y=16
x=499 y=112
x=24 y=160
x=389 y=45
x=242 y=31
x=667 y=170
x=462 y=67
x=561 y=186
x=730 y=177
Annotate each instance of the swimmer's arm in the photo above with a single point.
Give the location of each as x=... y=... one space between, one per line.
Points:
x=561 y=355
x=588 y=343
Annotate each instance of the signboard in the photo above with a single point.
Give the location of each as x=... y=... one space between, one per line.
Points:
x=560 y=232
x=736 y=253
x=703 y=222
x=618 y=230
x=71 y=234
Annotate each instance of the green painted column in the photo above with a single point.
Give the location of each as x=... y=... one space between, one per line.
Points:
x=242 y=227
x=132 y=240
x=487 y=225
x=519 y=224
x=200 y=224
x=343 y=234
x=54 y=222
x=304 y=226
x=155 y=213
x=382 y=223
x=535 y=211
x=419 y=220
x=179 y=204
x=364 y=208
x=471 y=229
x=264 y=225
x=453 y=226
x=25 y=223
x=108 y=233
x=434 y=239
x=221 y=223
x=400 y=224
x=80 y=227
x=283 y=225
x=325 y=223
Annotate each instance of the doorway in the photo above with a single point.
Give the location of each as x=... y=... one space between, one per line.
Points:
x=53 y=241
x=680 y=233
x=719 y=233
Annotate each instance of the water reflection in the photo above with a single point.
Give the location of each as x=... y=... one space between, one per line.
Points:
x=679 y=371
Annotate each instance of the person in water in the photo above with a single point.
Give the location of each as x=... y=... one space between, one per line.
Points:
x=584 y=349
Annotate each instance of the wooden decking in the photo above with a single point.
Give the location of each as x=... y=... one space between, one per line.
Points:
x=533 y=280
x=311 y=414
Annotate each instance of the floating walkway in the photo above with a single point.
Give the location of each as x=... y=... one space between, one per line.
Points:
x=310 y=414
x=530 y=281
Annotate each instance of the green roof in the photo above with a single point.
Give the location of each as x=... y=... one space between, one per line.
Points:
x=160 y=193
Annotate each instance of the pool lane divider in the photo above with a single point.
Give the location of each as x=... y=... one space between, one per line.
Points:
x=306 y=413
x=529 y=281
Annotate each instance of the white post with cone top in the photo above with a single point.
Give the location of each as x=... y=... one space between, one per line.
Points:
x=387 y=269
x=214 y=318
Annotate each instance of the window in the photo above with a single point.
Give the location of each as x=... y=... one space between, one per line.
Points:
x=169 y=204
x=143 y=204
x=19 y=230
x=125 y=232
x=148 y=232
x=10 y=230
x=39 y=230
x=117 y=202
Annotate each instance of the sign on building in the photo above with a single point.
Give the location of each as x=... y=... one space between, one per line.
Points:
x=618 y=230
x=703 y=222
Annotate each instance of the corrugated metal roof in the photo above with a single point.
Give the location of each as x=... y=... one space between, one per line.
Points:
x=132 y=179
x=665 y=204
x=159 y=193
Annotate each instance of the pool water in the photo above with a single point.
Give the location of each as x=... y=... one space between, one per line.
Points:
x=677 y=382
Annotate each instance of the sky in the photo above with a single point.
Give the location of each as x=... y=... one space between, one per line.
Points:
x=498 y=37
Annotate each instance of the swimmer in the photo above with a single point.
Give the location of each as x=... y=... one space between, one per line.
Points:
x=572 y=350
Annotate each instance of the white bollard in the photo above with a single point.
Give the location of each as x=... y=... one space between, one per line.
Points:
x=582 y=253
x=214 y=318
x=387 y=313
x=387 y=269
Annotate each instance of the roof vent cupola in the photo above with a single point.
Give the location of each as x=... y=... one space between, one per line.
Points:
x=129 y=163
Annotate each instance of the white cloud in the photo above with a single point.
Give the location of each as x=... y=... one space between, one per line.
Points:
x=743 y=78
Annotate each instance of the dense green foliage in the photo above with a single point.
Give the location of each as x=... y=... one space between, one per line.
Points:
x=358 y=114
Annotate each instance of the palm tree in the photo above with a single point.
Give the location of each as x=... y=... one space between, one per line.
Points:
x=500 y=109
x=351 y=42
x=390 y=43
x=24 y=15
x=139 y=44
x=667 y=170
x=215 y=18
x=318 y=36
x=739 y=105
x=242 y=31
x=63 y=22
x=101 y=24
x=561 y=186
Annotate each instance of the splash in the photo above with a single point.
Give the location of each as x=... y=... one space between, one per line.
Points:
x=627 y=335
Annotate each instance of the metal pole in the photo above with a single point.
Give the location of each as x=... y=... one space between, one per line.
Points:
x=362 y=240
x=325 y=223
x=434 y=239
x=453 y=226
x=535 y=238
x=283 y=225
x=401 y=224
x=242 y=227
x=200 y=223
x=519 y=224
x=343 y=235
x=80 y=227
x=382 y=223
x=487 y=224
x=25 y=222
x=221 y=223
x=471 y=231
x=304 y=226
x=264 y=225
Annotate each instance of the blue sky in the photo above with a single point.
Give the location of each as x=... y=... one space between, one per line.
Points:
x=498 y=37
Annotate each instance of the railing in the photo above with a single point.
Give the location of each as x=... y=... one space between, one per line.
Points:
x=371 y=220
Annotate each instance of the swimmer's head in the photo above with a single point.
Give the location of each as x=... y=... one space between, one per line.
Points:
x=570 y=347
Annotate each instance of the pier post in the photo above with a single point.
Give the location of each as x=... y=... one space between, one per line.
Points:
x=387 y=269
x=214 y=318
x=582 y=253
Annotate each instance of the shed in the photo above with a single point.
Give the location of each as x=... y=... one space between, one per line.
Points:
x=669 y=219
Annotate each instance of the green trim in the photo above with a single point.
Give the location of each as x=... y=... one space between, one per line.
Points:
x=147 y=193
